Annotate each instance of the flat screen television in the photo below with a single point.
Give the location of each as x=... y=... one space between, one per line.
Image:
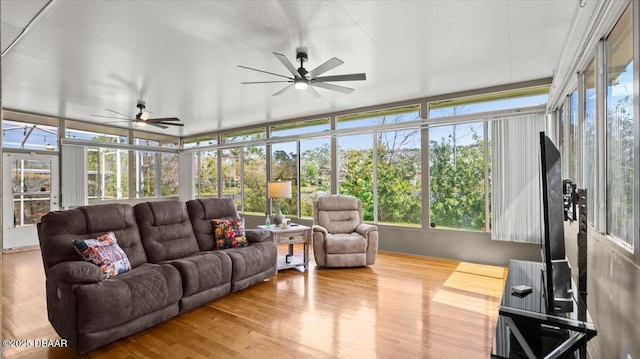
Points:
x=557 y=273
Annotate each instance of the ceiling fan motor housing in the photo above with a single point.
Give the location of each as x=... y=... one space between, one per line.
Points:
x=302 y=57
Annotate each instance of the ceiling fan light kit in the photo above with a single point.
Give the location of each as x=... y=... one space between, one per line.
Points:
x=301 y=84
x=307 y=80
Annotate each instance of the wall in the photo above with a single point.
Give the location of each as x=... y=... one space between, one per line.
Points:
x=613 y=287
x=465 y=246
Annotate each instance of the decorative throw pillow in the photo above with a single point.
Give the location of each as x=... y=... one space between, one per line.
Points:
x=104 y=252
x=229 y=233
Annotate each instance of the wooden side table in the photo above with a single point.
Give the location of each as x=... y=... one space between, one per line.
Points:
x=296 y=233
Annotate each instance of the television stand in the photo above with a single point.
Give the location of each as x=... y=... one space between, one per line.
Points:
x=526 y=330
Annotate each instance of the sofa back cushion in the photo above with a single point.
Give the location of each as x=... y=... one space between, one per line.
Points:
x=202 y=211
x=57 y=230
x=338 y=214
x=165 y=230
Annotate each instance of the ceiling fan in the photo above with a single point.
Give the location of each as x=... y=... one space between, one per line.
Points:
x=142 y=118
x=303 y=79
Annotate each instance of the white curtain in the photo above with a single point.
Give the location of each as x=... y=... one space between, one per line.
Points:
x=516 y=193
x=74 y=176
x=186 y=169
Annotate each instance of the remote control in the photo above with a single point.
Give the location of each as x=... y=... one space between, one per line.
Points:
x=521 y=289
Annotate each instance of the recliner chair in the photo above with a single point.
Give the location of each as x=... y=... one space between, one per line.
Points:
x=340 y=238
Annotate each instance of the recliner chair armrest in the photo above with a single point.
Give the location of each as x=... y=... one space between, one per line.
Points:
x=321 y=229
x=75 y=272
x=257 y=235
x=363 y=229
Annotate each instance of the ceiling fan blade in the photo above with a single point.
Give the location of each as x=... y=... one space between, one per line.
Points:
x=288 y=64
x=283 y=90
x=266 y=72
x=333 y=87
x=158 y=125
x=158 y=120
x=168 y=124
x=314 y=92
x=328 y=65
x=118 y=118
x=119 y=121
x=121 y=114
x=349 y=77
x=263 y=82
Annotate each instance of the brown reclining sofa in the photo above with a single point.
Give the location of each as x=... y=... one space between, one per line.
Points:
x=174 y=267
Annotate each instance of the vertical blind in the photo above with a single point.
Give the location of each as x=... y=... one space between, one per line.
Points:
x=516 y=192
x=74 y=176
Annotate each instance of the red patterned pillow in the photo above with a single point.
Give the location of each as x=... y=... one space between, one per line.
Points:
x=229 y=233
x=104 y=252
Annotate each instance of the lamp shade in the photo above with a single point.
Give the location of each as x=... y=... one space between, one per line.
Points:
x=280 y=189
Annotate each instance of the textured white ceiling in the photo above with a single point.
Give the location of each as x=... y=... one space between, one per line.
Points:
x=82 y=57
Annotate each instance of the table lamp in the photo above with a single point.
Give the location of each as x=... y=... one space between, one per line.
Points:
x=279 y=189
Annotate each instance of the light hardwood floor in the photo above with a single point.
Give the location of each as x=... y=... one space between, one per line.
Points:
x=401 y=307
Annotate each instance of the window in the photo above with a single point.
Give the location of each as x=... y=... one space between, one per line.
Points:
x=207 y=174
x=619 y=136
x=31 y=132
x=457 y=176
x=93 y=132
x=255 y=179
x=232 y=175
x=490 y=102
x=383 y=169
x=376 y=118
x=590 y=155
x=108 y=173
x=200 y=142
x=31 y=181
x=243 y=136
x=355 y=170
x=169 y=174
x=573 y=139
x=315 y=173
x=399 y=177
x=301 y=127
x=146 y=171
x=156 y=173
x=284 y=167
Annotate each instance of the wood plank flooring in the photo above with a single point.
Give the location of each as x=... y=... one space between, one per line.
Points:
x=401 y=307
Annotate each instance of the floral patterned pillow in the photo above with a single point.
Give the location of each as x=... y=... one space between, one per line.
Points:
x=229 y=233
x=104 y=252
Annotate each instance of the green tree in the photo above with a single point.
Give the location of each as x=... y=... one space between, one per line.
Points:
x=208 y=176
x=169 y=174
x=356 y=178
x=457 y=181
x=255 y=181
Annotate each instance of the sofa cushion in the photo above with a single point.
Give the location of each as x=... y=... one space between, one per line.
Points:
x=57 y=230
x=251 y=260
x=117 y=300
x=345 y=243
x=104 y=252
x=165 y=230
x=202 y=271
x=229 y=233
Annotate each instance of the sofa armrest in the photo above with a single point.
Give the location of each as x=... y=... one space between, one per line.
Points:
x=363 y=229
x=75 y=272
x=257 y=235
x=320 y=229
